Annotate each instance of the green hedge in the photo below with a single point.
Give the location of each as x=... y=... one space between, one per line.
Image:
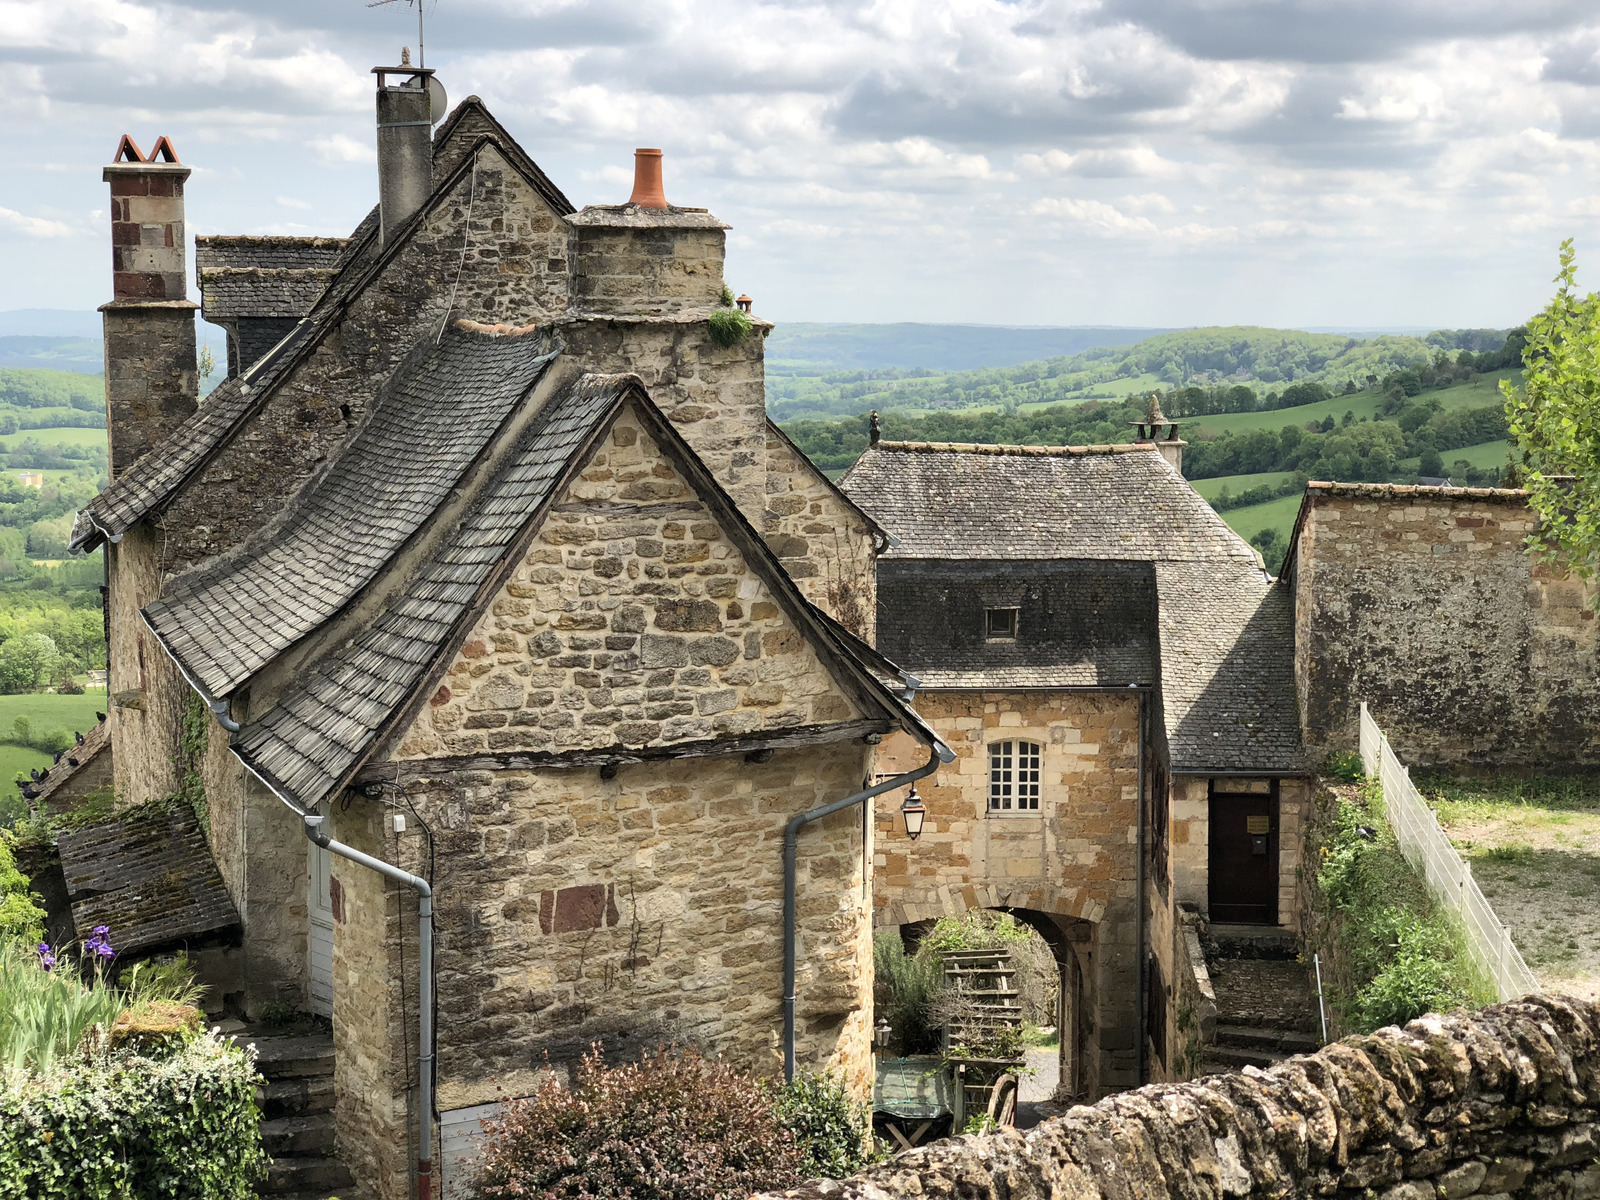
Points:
x=121 y=1125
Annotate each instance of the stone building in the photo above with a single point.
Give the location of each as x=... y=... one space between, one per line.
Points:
x=1114 y=671
x=1424 y=603
x=486 y=553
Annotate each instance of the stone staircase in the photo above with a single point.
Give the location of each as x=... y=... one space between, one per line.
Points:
x=297 y=1127
x=1266 y=1003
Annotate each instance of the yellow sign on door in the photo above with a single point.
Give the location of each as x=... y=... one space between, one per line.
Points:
x=1258 y=824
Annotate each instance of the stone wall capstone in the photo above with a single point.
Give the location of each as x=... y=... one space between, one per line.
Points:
x=1502 y=1103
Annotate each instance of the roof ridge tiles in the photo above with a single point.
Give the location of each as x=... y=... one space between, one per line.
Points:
x=1011 y=449
x=1410 y=490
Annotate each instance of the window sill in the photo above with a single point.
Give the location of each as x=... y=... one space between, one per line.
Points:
x=1011 y=813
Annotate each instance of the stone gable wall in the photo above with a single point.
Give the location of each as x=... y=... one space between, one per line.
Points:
x=632 y=621
x=1500 y=1103
x=1429 y=609
x=636 y=910
x=823 y=543
x=1077 y=861
x=507 y=276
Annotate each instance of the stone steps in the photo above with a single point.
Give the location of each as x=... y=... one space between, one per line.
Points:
x=298 y=1129
x=1279 y=1041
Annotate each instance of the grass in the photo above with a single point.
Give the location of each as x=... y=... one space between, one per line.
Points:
x=1275 y=514
x=48 y=710
x=1211 y=488
x=51 y=437
x=1533 y=843
x=1473 y=394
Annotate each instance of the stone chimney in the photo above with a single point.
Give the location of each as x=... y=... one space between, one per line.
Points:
x=152 y=379
x=405 y=143
x=1155 y=428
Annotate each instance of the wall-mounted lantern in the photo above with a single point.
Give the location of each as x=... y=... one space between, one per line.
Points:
x=881 y=1033
x=913 y=811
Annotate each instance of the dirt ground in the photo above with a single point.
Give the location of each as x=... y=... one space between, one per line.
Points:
x=1534 y=848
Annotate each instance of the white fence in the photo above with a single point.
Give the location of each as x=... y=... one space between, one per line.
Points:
x=1426 y=847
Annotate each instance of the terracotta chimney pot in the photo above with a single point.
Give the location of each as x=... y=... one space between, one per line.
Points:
x=647 y=191
x=744 y=302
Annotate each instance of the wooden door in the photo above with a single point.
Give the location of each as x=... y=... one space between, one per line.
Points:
x=1243 y=858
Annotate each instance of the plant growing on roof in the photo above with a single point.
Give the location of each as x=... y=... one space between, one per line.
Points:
x=728 y=323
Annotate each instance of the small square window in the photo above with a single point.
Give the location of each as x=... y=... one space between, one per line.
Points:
x=999 y=623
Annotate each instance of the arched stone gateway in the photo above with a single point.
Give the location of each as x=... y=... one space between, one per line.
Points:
x=1504 y=1102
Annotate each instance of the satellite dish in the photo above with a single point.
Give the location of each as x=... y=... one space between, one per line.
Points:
x=438 y=104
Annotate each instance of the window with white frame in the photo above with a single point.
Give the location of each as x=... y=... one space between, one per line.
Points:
x=1014 y=769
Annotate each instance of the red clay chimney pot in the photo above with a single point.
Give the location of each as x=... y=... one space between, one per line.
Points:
x=647 y=191
x=744 y=302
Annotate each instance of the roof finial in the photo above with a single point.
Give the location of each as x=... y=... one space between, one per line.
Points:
x=405 y=56
x=874 y=429
x=1152 y=414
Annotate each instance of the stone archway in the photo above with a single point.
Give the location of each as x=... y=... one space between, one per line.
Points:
x=1072 y=943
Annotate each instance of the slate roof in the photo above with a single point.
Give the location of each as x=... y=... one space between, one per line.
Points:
x=1031 y=502
x=1227 y=669
x=1080 y=623
x=227 y=618
x=151 y=481
x=76 y=758
x=1222 y=632
x=148 y=875
x=264 y=276
x=156 y=477
x=267 y=253
x=305 y=744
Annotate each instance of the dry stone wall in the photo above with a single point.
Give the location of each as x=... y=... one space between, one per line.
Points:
x=1502 y=1103
x=1424 y=603
x=632 y=621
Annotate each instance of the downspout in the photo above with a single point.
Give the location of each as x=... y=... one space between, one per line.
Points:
x=791 y=841
x=313 y=828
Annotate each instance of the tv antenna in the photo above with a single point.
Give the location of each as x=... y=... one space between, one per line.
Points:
x=422 y=57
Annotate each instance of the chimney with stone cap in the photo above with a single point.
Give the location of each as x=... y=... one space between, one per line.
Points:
x=405 y=144
x=152 y=379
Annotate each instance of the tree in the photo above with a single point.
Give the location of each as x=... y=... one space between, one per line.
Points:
x=26 y=661
x=1431 y=464
x=1554 y=420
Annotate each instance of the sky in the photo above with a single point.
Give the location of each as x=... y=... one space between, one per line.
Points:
x=1346 y=163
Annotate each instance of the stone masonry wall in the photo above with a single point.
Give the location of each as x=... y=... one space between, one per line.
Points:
x=1077 y=859
x=632 y=621
x=825 y=545
x=1423 y=603
x=636 y=910
x=145 y=693
x=714 y=395
x=1501 y=1103
x=506 y=276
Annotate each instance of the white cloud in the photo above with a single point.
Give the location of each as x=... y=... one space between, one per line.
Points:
x=339 y=148
x=291 y=202
x=33 y=227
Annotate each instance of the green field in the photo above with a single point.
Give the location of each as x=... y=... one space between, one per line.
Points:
x=1275 y=514
x=14 y=761
x=1479 y=392
x=1483 y=456
x=1212 y=488
x=76 y=714
x=51 y=437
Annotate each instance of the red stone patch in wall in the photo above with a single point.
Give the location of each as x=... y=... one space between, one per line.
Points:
x=573 y=909
x=442 y=696
x=336 y=898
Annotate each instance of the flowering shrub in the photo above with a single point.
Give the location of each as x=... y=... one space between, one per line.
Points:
x=670 y=1127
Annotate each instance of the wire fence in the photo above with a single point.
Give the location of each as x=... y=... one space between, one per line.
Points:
x=1428 y=849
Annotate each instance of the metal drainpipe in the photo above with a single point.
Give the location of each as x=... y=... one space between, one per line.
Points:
x=313 y=828
x=791 y=842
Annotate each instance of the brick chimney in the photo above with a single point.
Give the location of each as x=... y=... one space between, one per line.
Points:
x=405 y=144
x=152 y=379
